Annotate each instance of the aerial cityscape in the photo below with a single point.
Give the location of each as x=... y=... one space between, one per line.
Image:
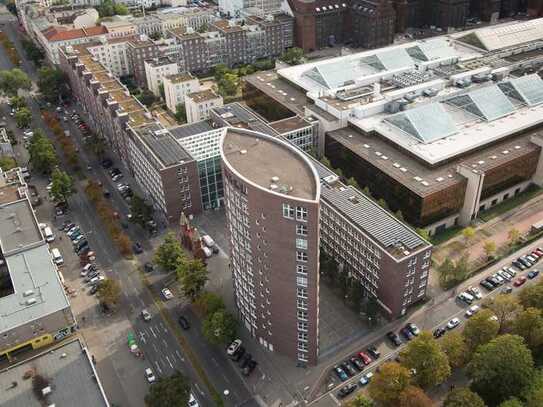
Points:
x=271 y=203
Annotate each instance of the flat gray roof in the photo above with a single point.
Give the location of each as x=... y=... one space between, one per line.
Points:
x=18 y=227
x=382 y=226
x=37 y=286
x=191 y=129
x=162 y=144
x=69 y=372
x=259 y=157
x=236 y=115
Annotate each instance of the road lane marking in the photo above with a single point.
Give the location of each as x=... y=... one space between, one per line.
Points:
x=155 y=347
x=180 y=357
x=141 y=302
x=165 y=343
x=153 y=332
x=158 y=367
x=215 y=361
x=199 y=390
x=142 y=336
x=335 y=399
x=163 y=328
x=169 y=361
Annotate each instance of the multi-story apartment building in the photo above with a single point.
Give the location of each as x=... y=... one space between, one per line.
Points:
x=155 y=71
x=198 y=104
x=166 y=173
x=35 y=309
x=112 y=53
x=272 y=193
x=237 y=8
x=176 y=87
x=138 y=51
x=372 y=23
x=167 y=19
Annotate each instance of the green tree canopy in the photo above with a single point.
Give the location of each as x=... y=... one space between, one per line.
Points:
x=425 y=356
x=109 y=293
x=293 y=56
x=23 y=118
x=360 y=401
x=52 y=83
x=388 y=384
x=62 y=187
x=505 y=360
x=514 y=402
x=192 y=276
x=42 y=153
x=7 y=163
x=180 y=113
x=506 y=308
x=220 y=327
x=209 y=303
x=229 y=84
x=169 y=391
x=414 y=396
x=32 y=51
x=455 y=347
x=463 y=397
x=529 y=325
x=17 y=102
x=120 y=9
x=480 y=329
x=11 y=80
x=169 y=254
x=532 y=296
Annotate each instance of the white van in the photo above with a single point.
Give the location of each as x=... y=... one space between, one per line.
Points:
x=208 y=241
x=48 y=233
x=57 y=257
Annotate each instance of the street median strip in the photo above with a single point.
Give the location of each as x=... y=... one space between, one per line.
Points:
x=182 y=341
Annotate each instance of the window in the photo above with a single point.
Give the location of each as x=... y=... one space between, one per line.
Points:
x=301 y=256
x=301 y=213
x=301 y=281
x=302 y=346
x=301 y=244
x=301 y=269
x=301 y=229
x=302 y=336
x=301 y=292
x=288 y=211
x=302 y=326
x=302 y=357
x=301 y=303
x=302 y=315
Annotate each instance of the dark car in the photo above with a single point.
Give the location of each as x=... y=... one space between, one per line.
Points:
x=407 y=334
x=507 y=289
x=340 y=373
x=487 y=285
x=68 y=227
x=527 y=263
x=351 y=371
x=492 y=280
x=93 y=289
x=148 y=267
x=80 y=249
x=245 y=360
x=107 y=163
x=107 y=194
x=84 y=250
x=238 y=354
x=356 y=362
x=137 y=248
x=518 y=265
x=247 y=370
x=394 y=338
x=439 y=332
x=346 y=390
x=533 y=274
x=184 y=322
x=372 y=350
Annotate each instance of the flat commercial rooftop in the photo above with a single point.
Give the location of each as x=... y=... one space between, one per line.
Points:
x=258 y=158
x=289 y=124
x=162 y=144
x=236 y=115
x=38 y=290
x=192 y=129
x=18 y=226
x=70 y=373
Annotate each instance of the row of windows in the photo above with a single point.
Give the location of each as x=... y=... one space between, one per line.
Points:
x=290 y=212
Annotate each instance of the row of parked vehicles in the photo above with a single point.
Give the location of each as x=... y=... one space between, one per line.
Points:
x=244 y=359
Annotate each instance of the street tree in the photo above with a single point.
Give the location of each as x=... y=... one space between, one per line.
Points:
x=489 y=248
x=208 y=303
x=293 y=56
x=147 y=98
x=388 y=384
x=23 y=118
x=514 y=236
x=7 y=163
x=17 y=102
x=514 y=402
x=62 y=185
x=192 y=275
x=455 y=347
x=52 y=83
x=11 y=80
x=424 y=356
x=109 y=293
x=505 y=360
x=468 y=233
x=169 y=254
x=141 y=211
x=181 y=113
x=414 y=396
x=220 y=327
x=42 y=153
x=463 y=397
x=423 y=233
x=169 y=391
x=32 y=51
x=120 y=9
x=229 y=84
x=506 y=308
x=360 y=401
x=480 y=329
x=535 y=398
x=532 y=296
x=529 y=325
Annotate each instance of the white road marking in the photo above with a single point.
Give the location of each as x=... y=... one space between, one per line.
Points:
x=180 y=357
x=198 y=388
x=169 y=361
x=142 y=303
x=155 y=347
x=158 y=367
x=335 y=399
x=142 y=336
x=163 y=328
x=153 y=332
x=165 y=343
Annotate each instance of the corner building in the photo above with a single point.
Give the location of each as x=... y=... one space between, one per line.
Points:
x=272 y=193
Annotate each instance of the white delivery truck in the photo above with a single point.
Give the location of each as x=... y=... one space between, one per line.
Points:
x=57 y=257
x=48 y=233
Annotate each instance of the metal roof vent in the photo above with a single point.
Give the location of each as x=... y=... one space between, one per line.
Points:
x=243 y=152
x=28 y=293
x=30 y=301
x=275 y=179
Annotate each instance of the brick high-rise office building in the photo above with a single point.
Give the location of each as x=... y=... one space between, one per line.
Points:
x=272 y=193
x=372 y=23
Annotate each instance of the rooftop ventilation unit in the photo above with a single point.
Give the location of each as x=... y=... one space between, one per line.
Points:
x=30 y=301
x=28 y=293
x=354 y=200
x=275 y=179
x=243 y=152
x=330 y=179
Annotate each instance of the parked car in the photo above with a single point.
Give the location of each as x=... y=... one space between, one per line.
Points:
x=498 y=278
x=406 y=333
x=238 y=355
x=486 y=284
x=525 y=261
x=533 y=274
x=247 y=370
x=519 y=265
x=93 y=290
x=233 y=347
x=453 y=323
x=348 y=368
x=394 y=338
x=505 y=275
x=365 y=358
x=474 y=291
x=439 y=332
x=365 y=379
x=146 y=315
x=167 y=293
x=472 y=310
x=507 y=289
x=346 y=390
x=375 y=354
x=519 y=281
x=356 y=362
x=150 y=375
x=466 y=297
x=148 y=267
x=340 y=373
x=184 y=322
x=413 y=328
x=138 y=249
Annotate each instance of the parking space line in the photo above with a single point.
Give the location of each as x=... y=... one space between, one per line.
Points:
x=179 y=355
x=153 y=332
x=335 y=399
x=169 y=361
x=158 y=367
